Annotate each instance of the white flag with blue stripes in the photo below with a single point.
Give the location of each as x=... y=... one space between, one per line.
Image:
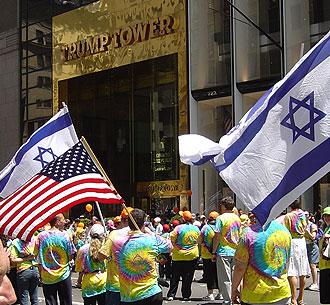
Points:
x=281 y=147
x=45 y=145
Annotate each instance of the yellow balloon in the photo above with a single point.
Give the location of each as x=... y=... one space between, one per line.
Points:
x=89 y=208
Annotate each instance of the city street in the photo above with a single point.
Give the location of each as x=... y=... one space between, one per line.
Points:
x=198 y=291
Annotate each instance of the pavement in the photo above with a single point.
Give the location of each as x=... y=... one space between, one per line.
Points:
x=198 y=291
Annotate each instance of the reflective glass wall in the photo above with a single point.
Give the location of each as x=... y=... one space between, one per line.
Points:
x=129 y=115
x=36 y=54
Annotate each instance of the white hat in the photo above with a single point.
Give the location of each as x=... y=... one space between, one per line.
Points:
x=96 y=229
x=157 y=219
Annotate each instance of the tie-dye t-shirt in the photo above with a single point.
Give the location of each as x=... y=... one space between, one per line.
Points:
x=54 y=250
x=108 y=250
x=296 y=223
x=267 y=253
x=137 y=265
x=185 y=242
x=324 y=264
x=94 y=274
x=228 y=226
x=207 y=235
x=21 y=249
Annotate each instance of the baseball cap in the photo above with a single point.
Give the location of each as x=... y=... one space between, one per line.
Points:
x=175 y=222
x=326 y=211
x=166 y=227
x=187 y=216
x=157 y=219
x=97 y=229
x=213 y=215
x=124 y=213
x=117 y=219
x=110 y=224
x=244 y=217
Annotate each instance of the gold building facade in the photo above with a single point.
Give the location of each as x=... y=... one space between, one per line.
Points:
x=121 y=66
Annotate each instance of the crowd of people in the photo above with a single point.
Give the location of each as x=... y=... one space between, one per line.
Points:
x=129 y=260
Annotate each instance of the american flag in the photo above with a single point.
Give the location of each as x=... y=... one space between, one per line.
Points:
x=71 y=179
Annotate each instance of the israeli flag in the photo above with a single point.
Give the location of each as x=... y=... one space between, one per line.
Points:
x=45 y=145
x=281 y=147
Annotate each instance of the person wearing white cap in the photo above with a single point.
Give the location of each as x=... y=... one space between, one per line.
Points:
x=158 y=227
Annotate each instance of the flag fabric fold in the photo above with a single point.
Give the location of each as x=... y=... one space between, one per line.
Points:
x=71 y=179
x=281 y=147
x=47 y=143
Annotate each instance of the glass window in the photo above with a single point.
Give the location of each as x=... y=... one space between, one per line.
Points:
x=210 y=28
x=257 y=56
x=129 y=116
x=214 y=121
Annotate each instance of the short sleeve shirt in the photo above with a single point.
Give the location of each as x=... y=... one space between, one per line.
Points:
x=185 y=242
x=296 y=223
x=21 y=249
x=228 y=226
x=312 y=228
x=109 y=249
x=207 y=235
x=137 y=265
x=94 y=274
x=324 y=264
x=54 y=250
x=267 y=253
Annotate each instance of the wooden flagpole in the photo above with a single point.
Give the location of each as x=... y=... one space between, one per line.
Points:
x=104 y=174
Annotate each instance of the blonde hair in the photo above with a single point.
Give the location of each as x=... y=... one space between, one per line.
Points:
x=94 y=247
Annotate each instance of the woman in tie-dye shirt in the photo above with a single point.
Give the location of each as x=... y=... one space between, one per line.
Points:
x=94 y=271
x=21 y=254
x=261 y=259
x=296 y=223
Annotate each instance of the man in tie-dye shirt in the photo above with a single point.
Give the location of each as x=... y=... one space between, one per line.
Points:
x=136 y=262
x=227 y=229
x=184 y=238
x=261 y=261
x=54 y=250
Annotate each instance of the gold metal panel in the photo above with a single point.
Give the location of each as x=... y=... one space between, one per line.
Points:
x=161 y=189
x=109 y=30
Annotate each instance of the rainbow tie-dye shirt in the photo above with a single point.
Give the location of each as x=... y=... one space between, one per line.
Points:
x=267 y=253
x=228 y=226
x=20 y=249
x=109 y=249
x=296 y=223
x=94 y=274
x=54 y=250
x=207 y=235
x=137 y=265
x=185 y=242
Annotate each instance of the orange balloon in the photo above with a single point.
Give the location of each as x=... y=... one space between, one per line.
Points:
x=89 y=208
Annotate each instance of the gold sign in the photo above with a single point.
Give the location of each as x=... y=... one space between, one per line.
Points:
x=123 y=37
x=161 y=188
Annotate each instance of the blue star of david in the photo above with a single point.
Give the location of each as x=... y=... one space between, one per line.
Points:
x=40 y=157
x=315 y=115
